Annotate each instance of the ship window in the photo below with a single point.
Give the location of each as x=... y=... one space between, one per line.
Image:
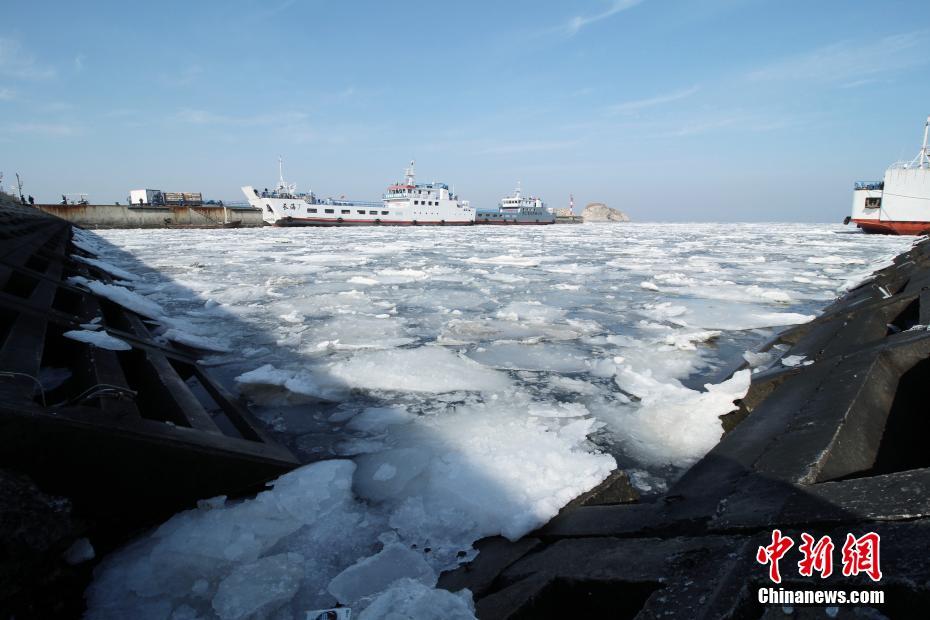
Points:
x=385 y=212
x=372 y=213
x=344 y=211
x=360 y=211
x=328 y=210
x=416 y=202
x=873 y=203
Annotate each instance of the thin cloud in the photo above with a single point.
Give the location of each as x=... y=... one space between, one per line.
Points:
x=636 y=105
x=577 y=23
x=7 y=94
x=43 y=129
x=850 y=60
x=79 y=62
x=531 y=147
x=205 y=117
x=185 y=77
x=15 y=62
x=738 y=121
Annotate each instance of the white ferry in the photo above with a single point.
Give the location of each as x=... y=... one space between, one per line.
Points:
x=404 y=204
x=899 y=204
x=517 y=209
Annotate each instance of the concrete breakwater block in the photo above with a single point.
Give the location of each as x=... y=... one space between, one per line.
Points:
x=835 y=444
x=96 y=410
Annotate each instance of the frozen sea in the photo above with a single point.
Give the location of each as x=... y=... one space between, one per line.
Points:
x=447 y=384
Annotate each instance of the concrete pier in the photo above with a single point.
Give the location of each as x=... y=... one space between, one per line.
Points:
x=122 y=216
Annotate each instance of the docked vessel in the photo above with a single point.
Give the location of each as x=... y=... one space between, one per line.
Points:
x=899 y=204
x=407 y=203
x=517 y=209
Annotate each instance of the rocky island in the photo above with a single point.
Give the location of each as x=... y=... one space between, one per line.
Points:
x=599 y=212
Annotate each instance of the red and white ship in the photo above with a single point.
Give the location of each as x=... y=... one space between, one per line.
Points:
x=404 y=204
x=900 y=203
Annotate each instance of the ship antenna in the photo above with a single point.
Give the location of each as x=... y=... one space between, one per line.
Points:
x=410 y=174
x=281 y=170
x=518 y=189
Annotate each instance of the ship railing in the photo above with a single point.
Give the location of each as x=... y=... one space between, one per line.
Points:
x=867 y=185
x=913 y=164
x=343 y=202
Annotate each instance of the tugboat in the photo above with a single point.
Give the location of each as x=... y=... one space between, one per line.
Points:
x=899 y=204
x=407 y=203
x=517 y=209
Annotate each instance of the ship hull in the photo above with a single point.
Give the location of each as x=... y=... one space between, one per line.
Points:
x=296 y=221
x=295 y=211
x=514 y=222
x=884 y=227
x=496 y=217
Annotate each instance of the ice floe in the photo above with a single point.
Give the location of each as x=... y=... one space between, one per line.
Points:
x=459 y=383
x=99 y=339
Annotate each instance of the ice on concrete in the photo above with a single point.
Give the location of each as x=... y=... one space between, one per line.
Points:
x=243 y=559
x=101 y=340
x=120 y=295
x=109 y=268
x=192 y=340
x=757 y=359
x=672 y=424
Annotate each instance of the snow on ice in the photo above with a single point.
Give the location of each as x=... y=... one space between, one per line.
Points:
x=458 y=383
x=102 y=340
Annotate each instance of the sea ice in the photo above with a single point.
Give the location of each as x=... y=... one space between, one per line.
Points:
x=113 y=270
x=409 y=599
x=473 y=380
x=376 y=573
x=257 y=588
x=121 y=295
x=102 y=340
x=425 y=369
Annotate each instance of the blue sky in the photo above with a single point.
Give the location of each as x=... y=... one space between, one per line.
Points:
x=730 y=110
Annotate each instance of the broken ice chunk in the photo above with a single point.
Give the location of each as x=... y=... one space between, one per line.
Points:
x=255 y=589
x=373 y=574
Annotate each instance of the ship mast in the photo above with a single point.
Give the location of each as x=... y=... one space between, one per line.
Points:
x=923 y=159
x=283 y=187
x=410 y=174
